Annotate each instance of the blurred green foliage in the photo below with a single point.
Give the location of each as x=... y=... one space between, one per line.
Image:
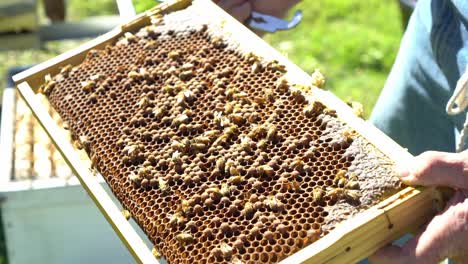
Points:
x=353 y=43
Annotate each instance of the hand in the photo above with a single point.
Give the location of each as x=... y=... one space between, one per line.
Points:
x=446 y=236
x=240 y=9
x=277 y=8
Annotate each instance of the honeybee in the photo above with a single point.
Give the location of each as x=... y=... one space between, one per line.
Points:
x=342 y=193
x=340 y=178
x=176 y=219
x=150 y=45
x=220 y=120
x=202 y=139
x=266 y=170
x=184 y=238
x=177 y=145
x=133 y=75
x=269 y=95
x=318 y=193
x=87 y=86
x=176 y=158
x=237 y=119
x=251 y=57
x=158 y=112
x=186 y=75
x=275 y=65
x=235 y=260
x=163 y=186
x=126 y=214
x=282 y=85
x=226 y=250
x=230 y=92
x=358 y=109
x=246 y=143
x=180 y=119
x=318 y=79
x=66 y=69
x=329 y=112
x=225 y=189
x=248 y=209
x=198 y=147
x=298 y=95
x=155 y=252
x=187 y=66
x=298 y=165
x=258 y=131
x=174 y=54
x=257 y=67
x=220 y=165
x=49 y=85
x=130 y=37
x=311 y=108
x=352 y=185
x=143 y=172
x=243 y=96
x=144 y=102
x=221 y=140
x=348 y=135
x=85 y=143
x=312 y=235
x=211 y=133
x=274 y=204
x=236 y=179
x=134 y=178
x=132 y=150
x=231 y=130
x=272 y=133
x=217 y=42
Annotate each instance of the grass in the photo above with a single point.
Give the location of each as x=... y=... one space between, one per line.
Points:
x=353 y=42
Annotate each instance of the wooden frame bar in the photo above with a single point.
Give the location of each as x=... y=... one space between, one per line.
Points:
x=379 y=225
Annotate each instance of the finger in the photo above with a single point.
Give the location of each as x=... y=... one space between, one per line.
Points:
x=387 y=255
x=437 y=169
x=242 y=12
x=229 y=4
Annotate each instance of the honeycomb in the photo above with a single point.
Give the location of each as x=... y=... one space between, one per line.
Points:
x=35 y=156
x=212 y=152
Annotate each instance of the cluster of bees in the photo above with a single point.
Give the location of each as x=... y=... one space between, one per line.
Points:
x=166 y=108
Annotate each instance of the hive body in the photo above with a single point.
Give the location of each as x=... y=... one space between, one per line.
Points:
x=211 y=152
x=35 y=157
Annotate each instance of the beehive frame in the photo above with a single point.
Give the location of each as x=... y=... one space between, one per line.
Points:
x=352 y=240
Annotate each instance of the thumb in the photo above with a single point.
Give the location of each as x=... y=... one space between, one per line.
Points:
x=433 y=168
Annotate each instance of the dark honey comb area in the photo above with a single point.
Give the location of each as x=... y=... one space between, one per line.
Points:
x=214 y=155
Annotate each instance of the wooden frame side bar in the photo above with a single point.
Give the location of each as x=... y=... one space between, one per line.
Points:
x=121 y=226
